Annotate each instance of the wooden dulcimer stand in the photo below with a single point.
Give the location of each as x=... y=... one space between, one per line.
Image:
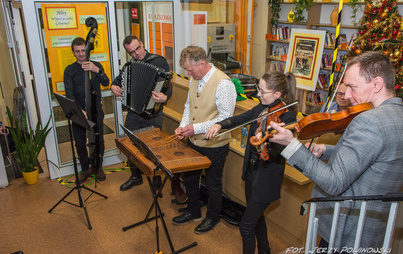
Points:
x=153 y=155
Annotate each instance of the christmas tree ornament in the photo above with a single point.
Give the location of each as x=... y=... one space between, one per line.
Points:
x=368 y=7
x=397 y=54
x=358 y=51
x=375 y=21
x=394 y=33
x=384 y=14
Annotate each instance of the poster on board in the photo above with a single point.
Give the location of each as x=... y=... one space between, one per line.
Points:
x=62 y=23
x=304 y=56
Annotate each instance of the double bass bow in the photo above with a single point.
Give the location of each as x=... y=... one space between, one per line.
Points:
x=95 y=160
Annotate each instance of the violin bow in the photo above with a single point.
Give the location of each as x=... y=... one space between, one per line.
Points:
x=274 y=111
x=333 y=93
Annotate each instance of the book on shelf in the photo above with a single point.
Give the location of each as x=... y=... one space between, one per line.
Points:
x=323 y=81
x=329 y=39
x=318 y=97
x=277 y=66
x=342 y=41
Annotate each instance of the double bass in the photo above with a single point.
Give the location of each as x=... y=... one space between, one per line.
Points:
x=95 y=159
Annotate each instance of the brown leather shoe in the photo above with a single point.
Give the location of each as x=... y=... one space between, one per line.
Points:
x=100 y=175
x=83 y=176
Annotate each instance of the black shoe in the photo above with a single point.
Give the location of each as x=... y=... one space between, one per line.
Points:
x=133 y=181
x=207 y=225
x=186 y=217
x=83 y=176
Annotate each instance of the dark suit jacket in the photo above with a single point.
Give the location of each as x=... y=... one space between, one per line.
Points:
x=367 y=160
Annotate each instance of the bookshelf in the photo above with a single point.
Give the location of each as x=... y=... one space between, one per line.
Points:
x=317 y=19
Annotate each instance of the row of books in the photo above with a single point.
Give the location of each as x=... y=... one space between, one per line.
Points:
x=277 y=66
x=316 y=98
x=329 y=39
x=278 y=51
x=327 y=60
x=281 y=33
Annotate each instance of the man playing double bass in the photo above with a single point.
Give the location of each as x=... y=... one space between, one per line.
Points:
x=74 y=84
x=367 y=159
x=135 y=48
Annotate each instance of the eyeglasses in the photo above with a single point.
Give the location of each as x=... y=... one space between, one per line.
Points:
x=340 y=94
x=261 y=91
x=136 y=50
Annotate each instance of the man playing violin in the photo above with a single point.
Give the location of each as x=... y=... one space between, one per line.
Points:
x=367 y=159
x=341 y=102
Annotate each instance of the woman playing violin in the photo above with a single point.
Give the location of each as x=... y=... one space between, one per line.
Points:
x=262 y=177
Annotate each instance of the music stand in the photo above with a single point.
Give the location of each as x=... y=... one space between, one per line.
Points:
x=147 y=152
x=73 y=112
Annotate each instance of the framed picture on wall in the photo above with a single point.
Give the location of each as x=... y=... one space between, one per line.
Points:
x=304 y=56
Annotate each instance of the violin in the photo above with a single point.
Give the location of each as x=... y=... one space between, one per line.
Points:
x=262 y=122
x=317 y=124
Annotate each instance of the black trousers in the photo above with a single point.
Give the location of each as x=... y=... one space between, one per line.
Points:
x=80 y=138
x=134 y=122
x=213 y=181
x=253 y=225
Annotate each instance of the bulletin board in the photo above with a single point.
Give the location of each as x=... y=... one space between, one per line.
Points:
x=62 y=24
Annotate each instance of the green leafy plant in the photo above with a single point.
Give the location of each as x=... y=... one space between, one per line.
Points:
x=355 y=5
x=275 y=10
x=300 y=6
x=27 y=144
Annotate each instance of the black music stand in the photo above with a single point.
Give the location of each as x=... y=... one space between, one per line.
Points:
x=73 y=112
x=146 y=151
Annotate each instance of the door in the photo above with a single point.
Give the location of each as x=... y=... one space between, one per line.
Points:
x=50 y=28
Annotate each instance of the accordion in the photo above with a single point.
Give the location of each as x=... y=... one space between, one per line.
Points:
x=139 y=79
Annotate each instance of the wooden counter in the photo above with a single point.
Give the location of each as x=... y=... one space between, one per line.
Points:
x=282 y=216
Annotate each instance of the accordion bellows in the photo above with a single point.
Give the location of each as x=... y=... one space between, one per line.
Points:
x=139 y=79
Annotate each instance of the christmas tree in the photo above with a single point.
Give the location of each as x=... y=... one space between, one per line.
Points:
x=379 y=30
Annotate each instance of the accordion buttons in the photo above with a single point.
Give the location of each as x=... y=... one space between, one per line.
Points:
x=195 y=107
x=197 y=96
x=194 y=119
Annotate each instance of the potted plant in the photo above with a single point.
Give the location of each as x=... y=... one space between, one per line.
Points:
x=300 y=6
x=28 y=146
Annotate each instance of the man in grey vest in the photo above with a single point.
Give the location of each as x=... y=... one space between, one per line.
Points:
x=211 y=99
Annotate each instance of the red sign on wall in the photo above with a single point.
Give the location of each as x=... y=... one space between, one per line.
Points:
x=134 y=13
